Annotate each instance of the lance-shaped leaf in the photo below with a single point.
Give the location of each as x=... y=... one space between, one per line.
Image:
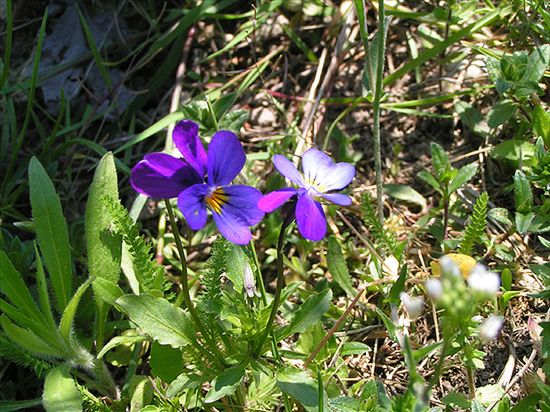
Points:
x=52 y=233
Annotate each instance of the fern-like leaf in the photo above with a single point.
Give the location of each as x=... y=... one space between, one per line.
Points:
x=148 y=273
x=211 y=296
x=475 y=229
x=14 y=353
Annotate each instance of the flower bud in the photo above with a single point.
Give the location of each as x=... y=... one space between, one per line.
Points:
x=434 y=288
x=481 y=280
x=490 y=327
x=249 y=282
x=413 y=305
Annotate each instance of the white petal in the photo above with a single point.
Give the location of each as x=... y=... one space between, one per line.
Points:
x=490 y=327
x=434 y=288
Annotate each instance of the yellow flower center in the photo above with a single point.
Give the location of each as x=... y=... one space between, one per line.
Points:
x=216 y=199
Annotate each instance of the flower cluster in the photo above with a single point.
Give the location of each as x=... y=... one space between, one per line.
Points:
x=459 y=299
x=201 y=181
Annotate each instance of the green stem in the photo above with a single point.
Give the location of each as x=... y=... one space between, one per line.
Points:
x=376 y=109
x=279 y=287
x=185 y=286
x=439 y=367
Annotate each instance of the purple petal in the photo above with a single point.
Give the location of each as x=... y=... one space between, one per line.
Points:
x=337 y=198
x=187 y=140
x=322 y=172
x=238 y=212
x=314 y=163
x=192 y=205
x=337 y=177
x=162 y=176
x=226 y=158
x=271 y=201
x=310 y=218
x=288 y=170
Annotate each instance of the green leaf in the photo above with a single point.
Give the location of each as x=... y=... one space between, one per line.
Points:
x=489 y=394
x=120 y=340
x=28 y=340
x=311 y=311
x=51 y=231
x=523 y=195
x=541 y=124
x=107 y=291
x=472 y=118
x=141 y=393
x=236 y=262
x=345 y=404
x=69 y=313
x=537 y=63
x=338 y=267
x=13 y=286
x=440 y=159
x=501 y=113
x=398 y=286
x=225 y=384
x=429 y=179
x=158 y=318
x=523 y=222
x=166 y=362
x=303 y=388
x=60 y=392
x=405 y=193
x=527 y=404
x=500 y=215
x=103 y=246
x=514 y=150
x=42 y=286
x=354 y=348
x=464 y=175
x=183 y=381
x=9 y=406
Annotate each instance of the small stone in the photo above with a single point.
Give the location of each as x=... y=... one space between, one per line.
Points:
x=263 y=116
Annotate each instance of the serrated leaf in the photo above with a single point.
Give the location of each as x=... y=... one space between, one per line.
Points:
x=103 y=245
x=440 y=159
x=405 y=193
x=51 y=231
x=158 y=318
x=464 y=175
x=225 y=384
x=60 y=392
x=523 y=195
x=338 y=268
x=310 y=312
x=501 y=113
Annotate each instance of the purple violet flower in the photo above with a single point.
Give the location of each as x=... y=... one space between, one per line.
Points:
x=321 y=176
x=201 y=181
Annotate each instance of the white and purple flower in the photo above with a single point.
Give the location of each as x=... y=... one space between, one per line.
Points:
x=320 y=178
x=202 y=181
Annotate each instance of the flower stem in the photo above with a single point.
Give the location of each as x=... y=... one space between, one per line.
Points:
x=185 y=285
x=278 y=289
x=376 y=109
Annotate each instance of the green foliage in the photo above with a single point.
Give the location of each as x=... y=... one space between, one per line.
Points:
x=211 y=296
x=338 y=267
x=51 y=231
x=475 y=229
x=148 y=273
x=13 y=352
x=158 y=318
x=60 y=392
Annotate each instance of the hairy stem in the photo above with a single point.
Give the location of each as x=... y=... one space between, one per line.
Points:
x=185 y=286
x=376 y=109
x=278 y=289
